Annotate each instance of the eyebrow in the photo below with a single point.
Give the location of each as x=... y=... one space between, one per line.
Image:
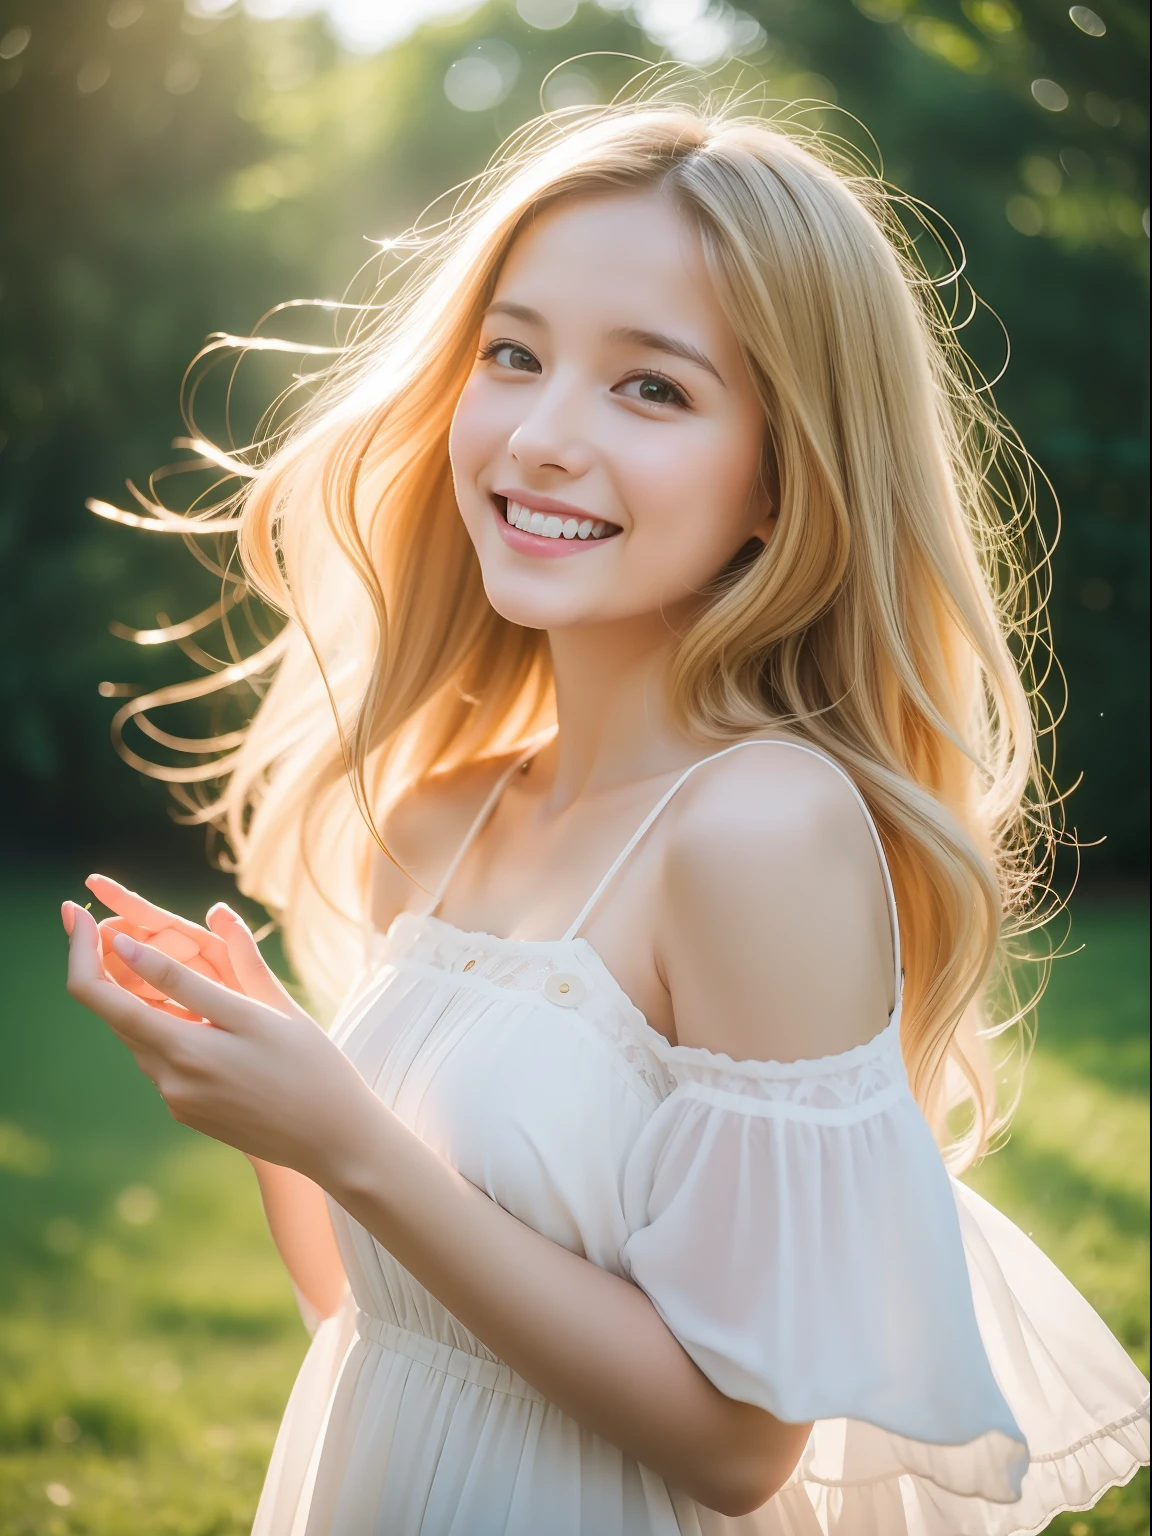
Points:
x=656 y=341
x=516 y=312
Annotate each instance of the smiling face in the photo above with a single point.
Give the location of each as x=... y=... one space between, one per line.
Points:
x=606 y=449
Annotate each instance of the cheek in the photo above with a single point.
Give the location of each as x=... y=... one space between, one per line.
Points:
x=696 y=483
x=473 y=434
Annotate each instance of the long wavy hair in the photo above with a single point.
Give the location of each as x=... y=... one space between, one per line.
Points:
x=891 y=621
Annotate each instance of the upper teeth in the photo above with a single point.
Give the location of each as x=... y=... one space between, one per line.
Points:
x=548 y=526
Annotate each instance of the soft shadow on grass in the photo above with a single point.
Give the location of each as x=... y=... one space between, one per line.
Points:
x=148 y=1335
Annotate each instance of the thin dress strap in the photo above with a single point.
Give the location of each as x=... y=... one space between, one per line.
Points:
x=473 y=831
x=795 y=746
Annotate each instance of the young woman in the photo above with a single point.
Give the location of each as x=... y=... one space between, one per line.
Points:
x=647 y=695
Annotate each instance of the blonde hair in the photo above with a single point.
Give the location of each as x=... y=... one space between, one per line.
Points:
x=878 y=624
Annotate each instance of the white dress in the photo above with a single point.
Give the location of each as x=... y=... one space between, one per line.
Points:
x=793 y=1224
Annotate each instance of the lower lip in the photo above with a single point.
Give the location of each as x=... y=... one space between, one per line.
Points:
x=544 y=549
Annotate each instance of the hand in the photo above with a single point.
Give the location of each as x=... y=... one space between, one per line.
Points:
x=224 y=951
x=264 y=1078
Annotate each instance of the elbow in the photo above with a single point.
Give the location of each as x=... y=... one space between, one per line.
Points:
x=735 y=1496
x=734 y=1488
x=743 y=1481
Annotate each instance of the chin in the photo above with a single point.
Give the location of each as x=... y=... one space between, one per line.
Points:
x=538 y=610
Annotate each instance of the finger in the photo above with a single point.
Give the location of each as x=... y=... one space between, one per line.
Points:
x=137 y=1024
x=114 y=967
x=223 y=1007
x=130 y=904
x=117 y=971
x=149 y=919
x=175 y=944
x=178 y=946
x=252 y=970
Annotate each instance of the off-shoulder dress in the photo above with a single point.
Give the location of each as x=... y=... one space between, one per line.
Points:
x=792 y=1222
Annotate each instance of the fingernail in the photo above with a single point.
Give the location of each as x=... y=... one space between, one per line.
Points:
x=68 y=917
x=125 y=947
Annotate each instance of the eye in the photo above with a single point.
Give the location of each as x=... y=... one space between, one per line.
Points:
x=509 y=354
x=653 y=389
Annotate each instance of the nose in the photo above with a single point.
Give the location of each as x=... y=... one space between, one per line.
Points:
x=552 y=434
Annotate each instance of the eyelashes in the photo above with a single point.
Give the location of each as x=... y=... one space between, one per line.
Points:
x=662 y=381
x=656 y=381
x=503 y=344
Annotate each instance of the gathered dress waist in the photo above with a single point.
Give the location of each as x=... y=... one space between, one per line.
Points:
x=492 y=1375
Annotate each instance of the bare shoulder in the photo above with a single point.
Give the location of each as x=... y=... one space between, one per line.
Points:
x=422 y=832
x=775 y=934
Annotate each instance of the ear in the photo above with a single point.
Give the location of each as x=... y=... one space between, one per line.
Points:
x=764 y=508
x=764 y=531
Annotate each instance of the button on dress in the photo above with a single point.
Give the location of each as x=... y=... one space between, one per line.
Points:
x=793 y=1223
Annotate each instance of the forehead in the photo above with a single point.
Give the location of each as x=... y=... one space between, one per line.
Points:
x=627 y=258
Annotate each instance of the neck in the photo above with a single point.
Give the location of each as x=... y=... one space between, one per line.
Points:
x=615 y=725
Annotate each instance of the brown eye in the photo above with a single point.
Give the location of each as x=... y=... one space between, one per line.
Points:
x=653 y=389
x=657 y=392
x=508 y=355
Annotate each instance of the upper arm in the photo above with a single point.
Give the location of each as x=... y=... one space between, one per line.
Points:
x=774 y=934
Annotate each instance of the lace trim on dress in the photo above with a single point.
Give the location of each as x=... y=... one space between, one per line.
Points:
x=509 y=964
x=858 y=1076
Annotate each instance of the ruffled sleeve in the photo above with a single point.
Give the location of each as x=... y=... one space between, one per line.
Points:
x=794 y=1225
x=797 y=1230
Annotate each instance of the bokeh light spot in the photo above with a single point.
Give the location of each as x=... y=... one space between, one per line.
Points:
x=1041 y=176
x=92 y=76
x=483 y=76
x=1102 y=109
x=137 y=1205
x=21 y=1153
x=1024 y=215
x=1088 y=21
x=182 y=75
x=1049 y=95
x=570 y=88
x=883 y=11
x=124 y=13
x=995 y=17
x=946 y=42
x=14 y=42
x=547 y=15
x=1077 y=165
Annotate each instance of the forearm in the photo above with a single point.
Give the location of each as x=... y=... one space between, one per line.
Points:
x=589 y=1341
x=301 y=1228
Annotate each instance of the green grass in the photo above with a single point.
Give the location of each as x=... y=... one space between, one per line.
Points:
x=148 y=1335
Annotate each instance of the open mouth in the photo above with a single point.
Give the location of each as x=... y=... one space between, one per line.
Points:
x=551 y=525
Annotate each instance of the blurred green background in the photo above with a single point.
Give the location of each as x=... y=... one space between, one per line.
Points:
x=174 y=169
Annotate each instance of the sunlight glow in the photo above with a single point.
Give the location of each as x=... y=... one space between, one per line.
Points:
x=363 y=26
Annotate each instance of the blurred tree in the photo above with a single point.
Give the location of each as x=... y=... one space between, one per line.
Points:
x=1026 y=126
x=175 y=171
